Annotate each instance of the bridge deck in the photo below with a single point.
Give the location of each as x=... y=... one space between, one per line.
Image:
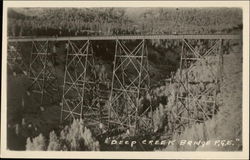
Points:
x=134 y=37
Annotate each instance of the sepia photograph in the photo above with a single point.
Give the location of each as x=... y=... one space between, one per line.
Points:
x=83 y=77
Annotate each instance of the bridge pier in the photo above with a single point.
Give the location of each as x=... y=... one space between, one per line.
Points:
x=127 y=91
x=81 y=89
x=78 y=61
x=200 y=75
x=42 y=74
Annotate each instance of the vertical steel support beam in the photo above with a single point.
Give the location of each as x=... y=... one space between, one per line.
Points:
x=177 y=124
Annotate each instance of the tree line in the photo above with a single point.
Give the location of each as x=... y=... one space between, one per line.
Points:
x=115 y=21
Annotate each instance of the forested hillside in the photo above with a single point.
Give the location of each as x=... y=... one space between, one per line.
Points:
x=119 y=21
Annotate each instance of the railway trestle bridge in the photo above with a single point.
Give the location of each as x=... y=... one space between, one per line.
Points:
x=85 y=96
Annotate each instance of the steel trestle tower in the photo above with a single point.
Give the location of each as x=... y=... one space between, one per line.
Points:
x=130 y=83
x=199 y=79
x=42 y=73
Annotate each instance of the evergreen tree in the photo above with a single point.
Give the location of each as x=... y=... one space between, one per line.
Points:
x=54 y=143
x=36 y=144
x=75 y=137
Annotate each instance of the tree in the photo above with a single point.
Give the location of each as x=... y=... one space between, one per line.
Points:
x=75 y=137
x=54 y=143
x=36 y=144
